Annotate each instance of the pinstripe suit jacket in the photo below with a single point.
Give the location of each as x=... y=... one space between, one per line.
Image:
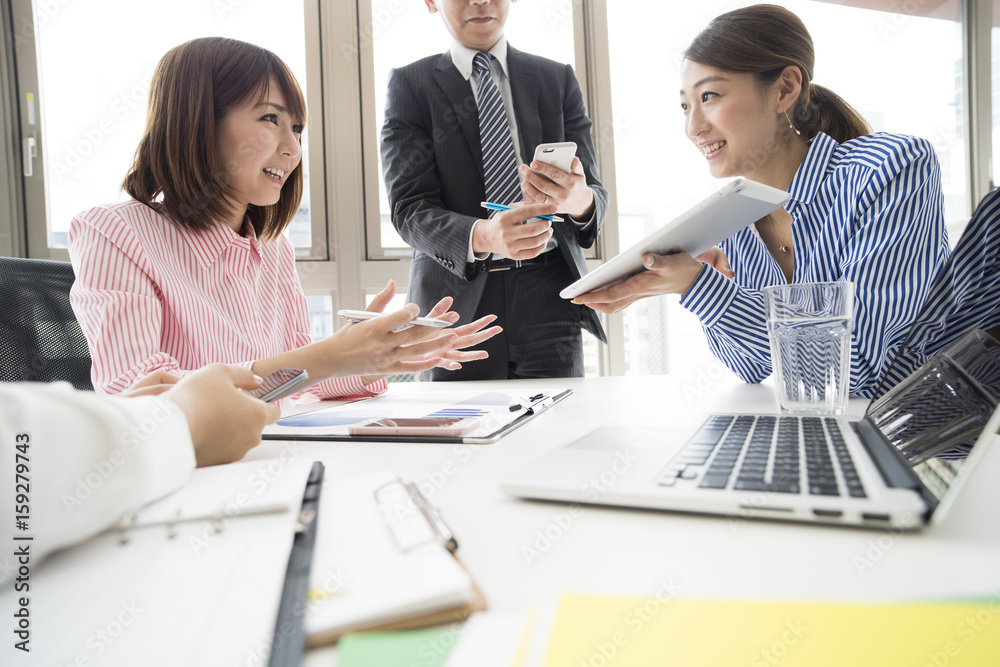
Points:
x=433 y=168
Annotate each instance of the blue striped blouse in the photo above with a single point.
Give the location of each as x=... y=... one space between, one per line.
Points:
x=870 y=211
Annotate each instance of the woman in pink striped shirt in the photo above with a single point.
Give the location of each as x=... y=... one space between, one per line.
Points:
x=195 y=268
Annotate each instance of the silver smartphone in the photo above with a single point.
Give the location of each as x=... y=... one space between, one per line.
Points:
x=279 y=384
x=559 y=155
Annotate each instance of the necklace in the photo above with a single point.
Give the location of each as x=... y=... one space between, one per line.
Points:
x=783 y=247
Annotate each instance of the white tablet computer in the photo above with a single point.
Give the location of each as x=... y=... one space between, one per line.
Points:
x=719 y=216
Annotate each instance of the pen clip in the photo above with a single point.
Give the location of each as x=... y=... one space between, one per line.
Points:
x=433 y=517
x=535 y=403
x=394 y=513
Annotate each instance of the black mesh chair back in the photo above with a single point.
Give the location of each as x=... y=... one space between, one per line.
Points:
x=964 y=296
x=40 y=339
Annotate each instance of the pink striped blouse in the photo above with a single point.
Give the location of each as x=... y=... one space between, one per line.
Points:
x=150 y=295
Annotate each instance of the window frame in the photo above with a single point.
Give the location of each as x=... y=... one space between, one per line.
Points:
x=346 y=260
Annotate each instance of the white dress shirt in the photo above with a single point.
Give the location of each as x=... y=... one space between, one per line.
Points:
x=87 y=460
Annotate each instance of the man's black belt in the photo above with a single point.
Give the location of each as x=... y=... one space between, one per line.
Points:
x=506 y=264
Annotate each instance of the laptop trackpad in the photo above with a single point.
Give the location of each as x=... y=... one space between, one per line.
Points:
x=646 y=440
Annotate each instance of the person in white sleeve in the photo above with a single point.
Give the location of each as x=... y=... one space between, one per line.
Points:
x=73 y=462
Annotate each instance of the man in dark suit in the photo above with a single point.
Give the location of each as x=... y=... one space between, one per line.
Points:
x=511 y=264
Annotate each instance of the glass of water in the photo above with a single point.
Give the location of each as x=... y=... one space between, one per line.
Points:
x=809 y=326
x=946 y=402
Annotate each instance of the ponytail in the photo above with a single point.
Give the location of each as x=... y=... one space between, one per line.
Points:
x=826 y=111
x=763 y=40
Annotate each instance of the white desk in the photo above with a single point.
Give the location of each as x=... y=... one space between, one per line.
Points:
x=634 y=552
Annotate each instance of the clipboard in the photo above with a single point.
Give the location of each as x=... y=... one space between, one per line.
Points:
x=501 y=410
x=385 y=560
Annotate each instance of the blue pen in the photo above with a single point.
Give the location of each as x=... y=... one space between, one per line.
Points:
x=490 y=206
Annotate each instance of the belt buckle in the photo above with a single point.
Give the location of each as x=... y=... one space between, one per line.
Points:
x=517 y=265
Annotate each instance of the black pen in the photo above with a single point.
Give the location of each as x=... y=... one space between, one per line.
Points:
x=537 y=401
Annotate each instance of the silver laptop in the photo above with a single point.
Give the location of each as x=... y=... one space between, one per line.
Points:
x=828 y=470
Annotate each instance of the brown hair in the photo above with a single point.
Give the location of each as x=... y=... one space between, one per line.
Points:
x=194 y=86
x=763 y=40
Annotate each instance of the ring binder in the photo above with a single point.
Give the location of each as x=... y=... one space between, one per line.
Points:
x=124 y=524
x=217 y=520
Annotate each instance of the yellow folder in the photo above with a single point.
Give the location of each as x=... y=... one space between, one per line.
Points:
x=592 y=631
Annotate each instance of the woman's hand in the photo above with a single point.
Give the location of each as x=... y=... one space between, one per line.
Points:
x=225 y=422
x=385 y=345
x=717 y=259
x=664 y=274
x=153 y=384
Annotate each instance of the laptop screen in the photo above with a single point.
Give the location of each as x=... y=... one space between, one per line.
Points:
x=944 y=382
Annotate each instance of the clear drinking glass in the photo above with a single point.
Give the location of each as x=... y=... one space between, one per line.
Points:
x=946 y=402
x=809 y=326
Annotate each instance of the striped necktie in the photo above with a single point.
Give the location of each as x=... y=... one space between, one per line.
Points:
x=503 y=186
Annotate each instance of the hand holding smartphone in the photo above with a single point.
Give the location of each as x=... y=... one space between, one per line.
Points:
x=360 y=315
x=415 y=426
x=559 y=155
x=279 y=384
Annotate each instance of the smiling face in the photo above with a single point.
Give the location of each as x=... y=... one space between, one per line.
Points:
x=738 y=127
x=477 y=24
x=260 y=145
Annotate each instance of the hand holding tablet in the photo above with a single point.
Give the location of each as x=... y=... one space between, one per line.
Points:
x=724 y=213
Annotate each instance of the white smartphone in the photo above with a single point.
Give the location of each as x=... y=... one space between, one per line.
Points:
x=416 y=426
x=359 y=315
x=559 y=155
x=279 y=384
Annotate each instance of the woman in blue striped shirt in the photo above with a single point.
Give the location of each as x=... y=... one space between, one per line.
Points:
x=866 y=208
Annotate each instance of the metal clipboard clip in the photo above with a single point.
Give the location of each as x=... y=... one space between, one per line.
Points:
x=533 y=404
x=410 y=519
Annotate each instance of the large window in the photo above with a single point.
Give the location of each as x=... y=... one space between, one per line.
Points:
x=82 y=74
x=877 y=60
x=84 y=103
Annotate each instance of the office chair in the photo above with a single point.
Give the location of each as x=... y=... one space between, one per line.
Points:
x=40 y=339
x=964 y=296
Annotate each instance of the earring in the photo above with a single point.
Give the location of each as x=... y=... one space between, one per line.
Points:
x=790 y=126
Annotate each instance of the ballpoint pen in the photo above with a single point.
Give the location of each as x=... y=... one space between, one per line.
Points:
x=490 y=206
x=433 y=517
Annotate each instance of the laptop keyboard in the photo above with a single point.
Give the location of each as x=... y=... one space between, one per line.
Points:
x=768 y=453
